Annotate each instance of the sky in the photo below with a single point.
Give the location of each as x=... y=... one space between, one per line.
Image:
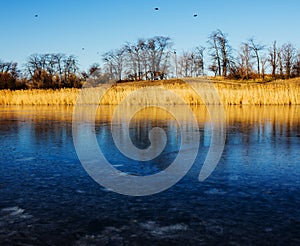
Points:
x=88 y=28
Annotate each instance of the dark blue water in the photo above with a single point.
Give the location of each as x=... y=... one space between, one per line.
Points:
x=252 y=197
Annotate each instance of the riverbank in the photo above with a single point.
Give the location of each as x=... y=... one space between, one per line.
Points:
x=231 y=92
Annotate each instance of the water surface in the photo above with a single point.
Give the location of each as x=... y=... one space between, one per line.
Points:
x=252 y=197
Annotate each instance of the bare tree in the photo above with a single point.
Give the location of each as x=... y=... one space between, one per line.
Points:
x=70 y=71
x=94 y=70
x=148 y=59
x=214 y=51
x=159 y=52
x=296 y=67
x=225 y=49
x=53 y=70
x=280 y=62
x=96 y=75
x=191 y=63
x=9 y=73
x=245 y=63
x=144 y=58
x=214 y=68
x=198 y=60
x=36 y=67
x=273 y=58
x=288 y=56
x=134 y=60
x=115 y=62
x=220 y=51
x=9 y=67
x=57 y=60
x=256 y=48
x=185 y=64
x=264 y=60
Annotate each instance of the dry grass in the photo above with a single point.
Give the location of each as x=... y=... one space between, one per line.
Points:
x=38 y=97
x=272 y=93
x=169 y=92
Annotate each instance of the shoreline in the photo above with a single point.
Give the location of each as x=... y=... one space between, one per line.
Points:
x=164 y=92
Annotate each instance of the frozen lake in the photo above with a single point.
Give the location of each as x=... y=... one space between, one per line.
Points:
x=252 y=197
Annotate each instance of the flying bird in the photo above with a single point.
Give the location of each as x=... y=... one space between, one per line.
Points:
x=195 y=15
x=156 y=9
x=36 y=16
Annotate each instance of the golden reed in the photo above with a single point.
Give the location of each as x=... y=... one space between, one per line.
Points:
x=280 y=92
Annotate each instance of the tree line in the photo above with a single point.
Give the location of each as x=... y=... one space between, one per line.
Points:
x=41 y=71
x=155 y=58
x=151 y=59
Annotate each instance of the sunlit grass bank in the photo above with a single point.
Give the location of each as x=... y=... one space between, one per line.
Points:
x=38 y=97
x=169 y=92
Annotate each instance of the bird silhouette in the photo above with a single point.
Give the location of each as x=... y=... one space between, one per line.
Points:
x=155 y=8
x=195 y=15
x=36 y=16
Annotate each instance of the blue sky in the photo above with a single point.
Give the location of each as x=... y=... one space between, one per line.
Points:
x=98 y=26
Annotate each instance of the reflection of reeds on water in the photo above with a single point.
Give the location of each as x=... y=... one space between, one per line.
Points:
x=257 y=114
x=37 y=113
x=243 y=114
x=158 y=92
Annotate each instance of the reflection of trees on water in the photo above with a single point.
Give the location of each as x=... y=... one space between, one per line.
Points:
x=263 y=132
x=33 y=127
x=139 y=132
x=51 y=126
x=56 y=133
x=255 y=124
x=139 y=135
